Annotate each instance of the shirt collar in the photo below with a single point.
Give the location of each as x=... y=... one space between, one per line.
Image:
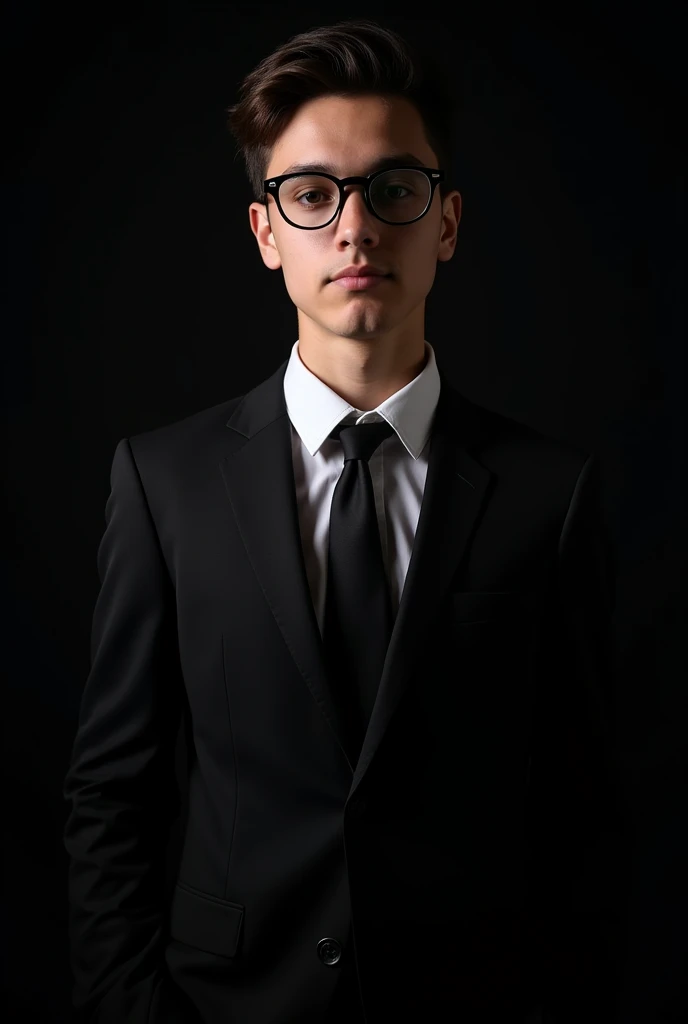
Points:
x=315 y=409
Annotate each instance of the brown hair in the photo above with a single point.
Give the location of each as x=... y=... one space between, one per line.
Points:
x=349 y=58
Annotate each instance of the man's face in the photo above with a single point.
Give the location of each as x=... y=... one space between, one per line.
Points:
x=351 y=134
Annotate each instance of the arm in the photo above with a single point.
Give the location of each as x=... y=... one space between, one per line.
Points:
x=121 y=779
x=577 y=869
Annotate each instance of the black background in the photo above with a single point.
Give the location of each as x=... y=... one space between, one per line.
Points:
x=135 y=295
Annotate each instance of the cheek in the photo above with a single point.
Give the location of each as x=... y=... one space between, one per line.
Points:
x=303 y=265
x=304 y=275
x=419 y=259
x=299 y=268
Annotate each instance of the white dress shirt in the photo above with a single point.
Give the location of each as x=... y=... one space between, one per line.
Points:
x=398 y=467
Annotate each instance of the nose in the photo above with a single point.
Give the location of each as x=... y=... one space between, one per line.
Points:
x=360 y=204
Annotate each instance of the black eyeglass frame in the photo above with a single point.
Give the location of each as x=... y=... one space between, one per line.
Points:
x=271 y=186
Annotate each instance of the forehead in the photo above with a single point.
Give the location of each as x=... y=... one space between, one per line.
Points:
x=350 y=134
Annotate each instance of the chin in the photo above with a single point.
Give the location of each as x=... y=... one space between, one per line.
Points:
x=359 y=333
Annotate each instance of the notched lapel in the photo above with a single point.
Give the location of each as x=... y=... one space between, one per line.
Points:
x=259 y=480
x=456 y=489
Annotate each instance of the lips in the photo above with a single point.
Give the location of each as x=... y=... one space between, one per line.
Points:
x=360 y=283
x=360 y=270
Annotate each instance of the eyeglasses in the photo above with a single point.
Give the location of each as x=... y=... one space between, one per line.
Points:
x=289 y=191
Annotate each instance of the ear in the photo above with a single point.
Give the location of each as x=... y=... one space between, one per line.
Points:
x=449 y=225
x=259 y=219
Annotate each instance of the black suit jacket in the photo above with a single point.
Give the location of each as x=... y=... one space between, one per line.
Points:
x=464 y=868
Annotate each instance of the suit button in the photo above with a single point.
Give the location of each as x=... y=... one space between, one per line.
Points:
x=329 y=951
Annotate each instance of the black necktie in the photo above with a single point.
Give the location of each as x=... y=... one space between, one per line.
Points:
x=358 y=613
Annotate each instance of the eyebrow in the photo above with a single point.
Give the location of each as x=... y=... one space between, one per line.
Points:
x=393 y=160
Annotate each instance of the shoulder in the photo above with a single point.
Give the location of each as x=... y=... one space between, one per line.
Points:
x=179 y=447
x=505 y=443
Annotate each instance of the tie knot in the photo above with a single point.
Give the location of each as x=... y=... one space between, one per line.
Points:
x=360 y=440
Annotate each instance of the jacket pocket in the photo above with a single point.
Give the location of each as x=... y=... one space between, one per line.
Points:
x=204 y=921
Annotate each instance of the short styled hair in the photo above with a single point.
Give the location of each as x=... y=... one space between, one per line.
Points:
x=350 y=58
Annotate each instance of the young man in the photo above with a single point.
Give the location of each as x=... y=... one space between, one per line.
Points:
x=387 y=646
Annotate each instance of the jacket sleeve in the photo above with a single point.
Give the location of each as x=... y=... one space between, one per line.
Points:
x=577 y=871
x=121 y=781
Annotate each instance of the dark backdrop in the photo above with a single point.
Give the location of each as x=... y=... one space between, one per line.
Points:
x=135 y=295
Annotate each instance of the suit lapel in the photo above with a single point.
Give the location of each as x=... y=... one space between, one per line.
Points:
x=259 y=479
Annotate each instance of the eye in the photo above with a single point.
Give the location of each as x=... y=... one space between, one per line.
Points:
x=312 y=192
x=402 y=187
